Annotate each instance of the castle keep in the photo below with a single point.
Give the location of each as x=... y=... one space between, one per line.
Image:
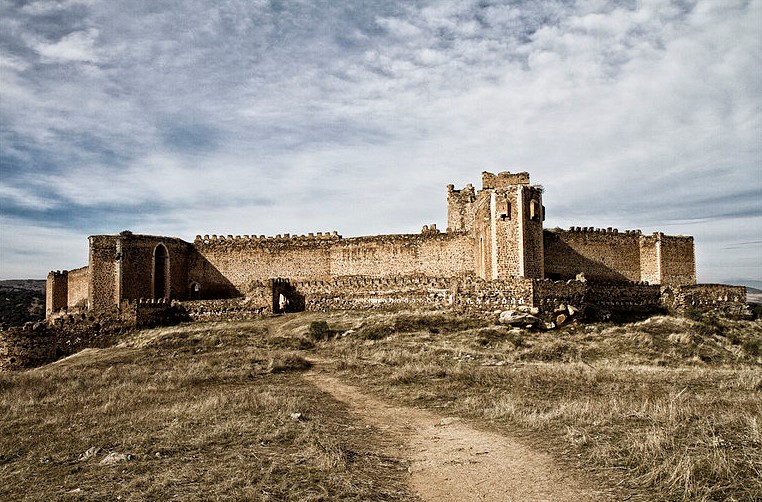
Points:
x=494 y=255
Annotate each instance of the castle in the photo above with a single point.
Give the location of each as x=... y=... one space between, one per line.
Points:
x=494 y=255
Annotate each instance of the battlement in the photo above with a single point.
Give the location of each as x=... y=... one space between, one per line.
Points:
x=593 y=230
x=244 y=240
x=503 y=179
x=468 y=193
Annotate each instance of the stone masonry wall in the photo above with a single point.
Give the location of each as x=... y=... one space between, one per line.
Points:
x=534 y=252
x=102 y=289
x=136 y=261
x=56 y=291
x=601 y=254
x=234 y=263
x=650 y=261
x=27 y=347
x=678 y=263
x=550 y=295
x=620 y=301
x=467 y=294
x=374 y=293
x=245 y=260
x=476 y=295
x=719 y=299
x=430 y=254
x=460 y=209
x=78 y=281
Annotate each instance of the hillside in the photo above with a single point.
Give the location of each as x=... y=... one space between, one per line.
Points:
x=21 y=301
x=662 y=409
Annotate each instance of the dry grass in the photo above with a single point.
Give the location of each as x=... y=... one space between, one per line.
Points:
x=668 y=406
x=196 y=412
x=668 y=409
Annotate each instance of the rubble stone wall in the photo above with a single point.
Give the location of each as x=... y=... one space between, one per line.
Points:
x=102 y=289
x=619 y=301
x=26 y=347
x=719 y=299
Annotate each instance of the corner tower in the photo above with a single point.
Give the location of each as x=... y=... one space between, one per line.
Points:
x=507 y=227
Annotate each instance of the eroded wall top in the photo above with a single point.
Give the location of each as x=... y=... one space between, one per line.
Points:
x=503 y=179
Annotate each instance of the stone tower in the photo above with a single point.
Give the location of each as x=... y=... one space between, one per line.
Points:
x=505 y=218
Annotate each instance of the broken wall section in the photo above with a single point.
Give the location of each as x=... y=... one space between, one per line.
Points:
x=719 y=299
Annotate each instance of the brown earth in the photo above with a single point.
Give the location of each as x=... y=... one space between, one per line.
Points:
x=452 y=461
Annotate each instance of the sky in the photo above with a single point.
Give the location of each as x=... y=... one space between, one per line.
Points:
x=292 y=116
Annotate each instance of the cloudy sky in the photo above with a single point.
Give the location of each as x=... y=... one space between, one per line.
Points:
x=293 y=116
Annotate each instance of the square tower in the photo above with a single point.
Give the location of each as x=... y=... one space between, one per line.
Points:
x=507 y=227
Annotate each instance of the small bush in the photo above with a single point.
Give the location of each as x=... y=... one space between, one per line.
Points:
x=752 y=347
x=376 y=332
x=319 y=330
x=756 y=310
x=288 y=362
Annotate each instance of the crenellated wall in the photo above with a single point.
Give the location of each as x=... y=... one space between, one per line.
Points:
x=242 y=261
x=430 y=254
x=601 y=254
x=231 y=264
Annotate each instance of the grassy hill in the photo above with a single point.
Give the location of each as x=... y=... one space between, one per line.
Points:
x=664 y=409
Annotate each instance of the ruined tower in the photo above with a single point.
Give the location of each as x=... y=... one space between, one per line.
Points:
x=505 y=219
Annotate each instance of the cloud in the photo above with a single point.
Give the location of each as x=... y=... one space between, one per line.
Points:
x=78 y=46
x=272 y=117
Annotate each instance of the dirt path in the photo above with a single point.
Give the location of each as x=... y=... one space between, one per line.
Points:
x=451 y=461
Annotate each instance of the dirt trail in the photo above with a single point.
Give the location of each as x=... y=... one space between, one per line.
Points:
x=451 y=461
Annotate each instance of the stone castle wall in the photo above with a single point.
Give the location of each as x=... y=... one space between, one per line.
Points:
x=56 y=291
x=532 y=233
x=601 y=254
x=137 y=256
x=27 y=347
x=650 y=261
x=719 y=299
x=460 y=209
x=678 y=263
x=243 y=261
x=77 y=287
x=123 y=267
x=102 y=288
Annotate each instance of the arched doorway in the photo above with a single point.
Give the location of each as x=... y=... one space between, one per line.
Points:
x=195 y=291
x=160 y=272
